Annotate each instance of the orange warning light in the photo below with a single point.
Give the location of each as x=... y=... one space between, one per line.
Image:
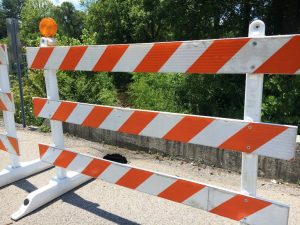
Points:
x=48 y=27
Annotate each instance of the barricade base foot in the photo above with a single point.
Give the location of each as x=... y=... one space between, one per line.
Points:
x=53 y=190
x=26 y=169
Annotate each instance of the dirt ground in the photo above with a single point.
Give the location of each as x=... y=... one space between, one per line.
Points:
x=102 y=203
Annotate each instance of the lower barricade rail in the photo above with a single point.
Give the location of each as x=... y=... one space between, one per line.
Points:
x=226 y=203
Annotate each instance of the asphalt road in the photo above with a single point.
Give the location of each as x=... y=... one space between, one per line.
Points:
x=102 y=203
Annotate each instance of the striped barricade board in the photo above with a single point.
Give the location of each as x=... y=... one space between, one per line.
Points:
x=9 y=144
x=270 y=55
x=229 y=204
x=277 y=141
x=7 y=102
x=3 y=55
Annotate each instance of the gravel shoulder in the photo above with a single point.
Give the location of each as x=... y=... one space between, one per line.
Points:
x=99 y=202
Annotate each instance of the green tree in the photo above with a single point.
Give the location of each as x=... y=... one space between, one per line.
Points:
x=156 y=92
x=118 y=21
x=9 y=9
x=195 y=19
x=69 y=20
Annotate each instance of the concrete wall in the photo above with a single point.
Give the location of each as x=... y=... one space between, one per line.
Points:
x=268 y=167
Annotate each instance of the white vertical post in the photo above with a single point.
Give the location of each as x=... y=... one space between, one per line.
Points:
x=252 y=113
x=52 y=94
x=63 y=182
x=8 y=117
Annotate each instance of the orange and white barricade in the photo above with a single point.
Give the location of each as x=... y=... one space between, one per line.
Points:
x=254 y=55
x=9 y=143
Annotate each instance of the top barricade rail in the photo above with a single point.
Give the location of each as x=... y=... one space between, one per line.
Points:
x=269 y=55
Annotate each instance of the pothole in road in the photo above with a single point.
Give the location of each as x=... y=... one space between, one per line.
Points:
x=116 y=158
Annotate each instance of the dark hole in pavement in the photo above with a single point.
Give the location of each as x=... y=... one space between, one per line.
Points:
x=116 y=158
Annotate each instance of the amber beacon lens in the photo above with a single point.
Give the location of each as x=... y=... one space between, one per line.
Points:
x=48 y=27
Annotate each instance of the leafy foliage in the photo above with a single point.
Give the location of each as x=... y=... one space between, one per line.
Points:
x=281 y=103
x=87 y=87
x=197 y=94
x=33 y=86
x=9 y=9
x=69 y=19
x=156 y=92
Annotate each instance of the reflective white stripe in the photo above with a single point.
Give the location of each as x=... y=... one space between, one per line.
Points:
x=286 y=140
x=51 y=155
x=80 y=113
x=199 y=199
x=90 y=57
x=114 y=172
x=275 y=216
x=185 y=56
x=217 y=197
x=132 y=57
x=160 y=125
x=56 y=58
x=260 y=48
x=116 y=119
x=49 y=109
x=3 y=55
x=30 y=55
x=156 y=184
x=79 y=163
x=298 y=72
x=217 y=133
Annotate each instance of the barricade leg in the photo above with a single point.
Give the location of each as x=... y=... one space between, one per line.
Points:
x=48 y=193
x=25 y=169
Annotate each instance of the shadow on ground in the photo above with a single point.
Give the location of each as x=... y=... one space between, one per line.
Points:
x=75 y=200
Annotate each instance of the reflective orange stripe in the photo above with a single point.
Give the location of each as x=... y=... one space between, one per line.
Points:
x=187 y=128
x=181 y=190
x=41 y=57
x=72 y=58
x=64 y=158
x=2 y=146
x=239 y=207
x=110 y=57
x=9 y=95
x=96 y=116
x=2 y=106
x=96 y=167
x=15 y=144
x=137 y=122
x=38 y=105
x=43 y=149
x=216 y=55
x=157 y=57
x=285 y=60
x=252 y=136
x=63 y=111
x=133 y=178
